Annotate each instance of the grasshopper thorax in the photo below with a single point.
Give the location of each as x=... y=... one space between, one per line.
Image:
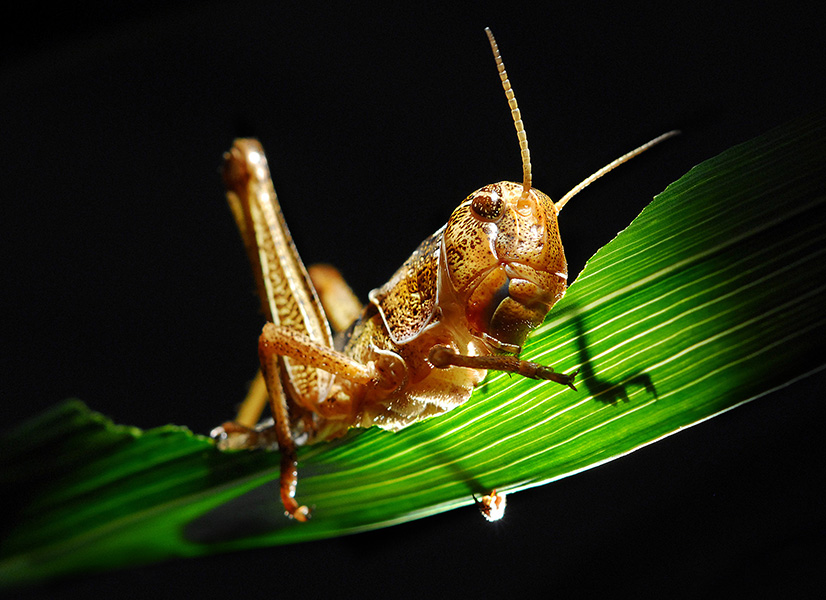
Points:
x=503 y=265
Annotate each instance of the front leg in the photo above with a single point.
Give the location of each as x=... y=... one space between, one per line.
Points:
x=283 y=341
x=236 y=435
x=442 y=357
x=274 y=345
x=280 y=411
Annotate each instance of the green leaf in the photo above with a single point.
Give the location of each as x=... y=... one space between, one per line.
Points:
x=708 y=299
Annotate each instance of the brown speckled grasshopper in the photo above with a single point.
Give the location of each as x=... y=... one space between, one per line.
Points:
x=462 y=304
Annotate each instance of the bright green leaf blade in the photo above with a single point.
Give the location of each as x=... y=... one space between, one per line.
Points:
x=710 y=298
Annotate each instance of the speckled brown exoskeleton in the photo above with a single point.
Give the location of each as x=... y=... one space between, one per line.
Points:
x=461 y=305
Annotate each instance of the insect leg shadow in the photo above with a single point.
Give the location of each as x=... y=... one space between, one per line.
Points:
x=604 y=390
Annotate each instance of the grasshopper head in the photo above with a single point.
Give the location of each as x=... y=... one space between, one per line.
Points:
x=503 y=264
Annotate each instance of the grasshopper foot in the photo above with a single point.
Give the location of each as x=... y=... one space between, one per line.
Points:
x=289 y=482
x=234 y=436
x=300 y=514
x=565 y=379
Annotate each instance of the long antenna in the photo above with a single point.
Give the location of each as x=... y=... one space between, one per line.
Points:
x=611 y=166
x=517 y=116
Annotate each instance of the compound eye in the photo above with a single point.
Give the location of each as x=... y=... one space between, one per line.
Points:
x=487 y=205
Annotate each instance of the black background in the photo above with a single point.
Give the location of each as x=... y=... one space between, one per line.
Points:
x=125 y=283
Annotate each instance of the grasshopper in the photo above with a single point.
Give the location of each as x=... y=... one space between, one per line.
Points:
x=461 y=305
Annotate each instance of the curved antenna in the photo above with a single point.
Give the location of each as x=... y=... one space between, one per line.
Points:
x=517 y=116
x=611 y=166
